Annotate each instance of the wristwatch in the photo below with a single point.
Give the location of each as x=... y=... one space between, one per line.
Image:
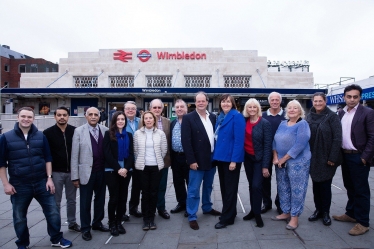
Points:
x=50 y=176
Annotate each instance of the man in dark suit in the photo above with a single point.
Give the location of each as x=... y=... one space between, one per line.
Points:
x=358 y=151
x=198 y=144
x=178 y=157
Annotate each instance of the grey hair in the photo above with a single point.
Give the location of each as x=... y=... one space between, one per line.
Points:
x=180 y=101
x=280 y=96
x=92 y=108
x=162 y=104
x=302 y=114
x=203 y=93
x=129 y=102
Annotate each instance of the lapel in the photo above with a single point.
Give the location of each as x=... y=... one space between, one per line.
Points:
x=229 y=116
x=86 y=137
x=357 y=116
x=200 y=125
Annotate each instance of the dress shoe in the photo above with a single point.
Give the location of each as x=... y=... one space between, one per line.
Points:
x=264 y=209
x=87 y=235
x=152 y=225
x=101 y=228
x=125 y=218
x=178 y=208
x=136 y=213
x=343 y=218
x=219 y=225
x=326 y=220
x=74 y=227
x=145 y=225
x=164 y=214
x=113 y=229
x=185 y=214
x=249 y=216
x=358 y=229
x=213 y=212
x=315 y=216
x=194 y=225
x=259 y=221
x=121 y=229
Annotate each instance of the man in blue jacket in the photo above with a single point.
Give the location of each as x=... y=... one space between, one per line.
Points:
x=25 y=152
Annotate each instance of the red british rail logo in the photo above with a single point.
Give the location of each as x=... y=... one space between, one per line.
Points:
x=122 y=56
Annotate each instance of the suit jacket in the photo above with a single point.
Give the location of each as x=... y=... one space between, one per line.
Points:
x=111 y=153
x=229 y=146
x=166 y=130
x=81 y=153
x=136 y=124
x=195 y=141
x=362 y=131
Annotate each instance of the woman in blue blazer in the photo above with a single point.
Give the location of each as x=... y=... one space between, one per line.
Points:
x=258 y=155
x=228 y=155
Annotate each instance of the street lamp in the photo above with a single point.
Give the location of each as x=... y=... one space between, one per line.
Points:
x=1 y=104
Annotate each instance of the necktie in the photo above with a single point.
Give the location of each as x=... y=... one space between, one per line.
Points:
x=95 y=135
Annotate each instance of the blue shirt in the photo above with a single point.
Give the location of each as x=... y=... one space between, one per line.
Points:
x=176 y=141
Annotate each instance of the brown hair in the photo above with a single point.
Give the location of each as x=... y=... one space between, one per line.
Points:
x=154 y=118
x=113 y=125
x=229 y=97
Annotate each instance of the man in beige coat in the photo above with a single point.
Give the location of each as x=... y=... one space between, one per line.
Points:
x=156 y=106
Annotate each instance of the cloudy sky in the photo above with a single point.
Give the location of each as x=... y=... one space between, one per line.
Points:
x=335 y=36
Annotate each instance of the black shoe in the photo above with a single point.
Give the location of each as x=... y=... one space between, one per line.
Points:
x=125 y=218
x=101 y=228
x=264 y=209
x=326 y=219
x=113 y=229
x=136 y=213
x=213 y=212
x=249 y=216
x=87 y=235
x=164 y=214
x=259 y=222
x=145 y=225
x=315 y=216
x=178 y=208
x=152 y=225
x=74 y=227
x=219 y=225
x=121 y=229
x=185 y=214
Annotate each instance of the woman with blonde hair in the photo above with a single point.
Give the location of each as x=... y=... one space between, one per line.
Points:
x=291 y=153
x=257 y=158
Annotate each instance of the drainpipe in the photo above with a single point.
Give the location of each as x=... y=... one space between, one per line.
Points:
x=66 y=71
x=258 y=72
x=175 y=78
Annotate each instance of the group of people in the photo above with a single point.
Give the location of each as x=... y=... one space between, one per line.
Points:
x=94 y=158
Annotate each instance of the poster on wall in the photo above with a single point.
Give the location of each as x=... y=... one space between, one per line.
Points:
x=44 y=108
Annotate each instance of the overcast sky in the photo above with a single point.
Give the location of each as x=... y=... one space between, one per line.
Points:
x=335 y=36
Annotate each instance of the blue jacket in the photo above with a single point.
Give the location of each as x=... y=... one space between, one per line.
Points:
x=26 y=158
x=229 y=146
x=128 y=126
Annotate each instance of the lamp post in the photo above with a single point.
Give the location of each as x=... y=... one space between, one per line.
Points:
x=1 y=107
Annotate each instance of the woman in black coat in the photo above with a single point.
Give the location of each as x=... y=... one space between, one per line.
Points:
x=119 y=159
x=325 y=143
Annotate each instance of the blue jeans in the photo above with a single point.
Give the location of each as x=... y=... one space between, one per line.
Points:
x=193 y=192
x=20 y=203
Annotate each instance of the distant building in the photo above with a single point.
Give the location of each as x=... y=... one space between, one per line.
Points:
x=13 y=63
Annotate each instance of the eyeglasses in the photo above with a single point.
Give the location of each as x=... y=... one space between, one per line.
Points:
x=156 y=107
x=130 y=109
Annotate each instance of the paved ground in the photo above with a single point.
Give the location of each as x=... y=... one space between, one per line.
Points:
x=176 y=233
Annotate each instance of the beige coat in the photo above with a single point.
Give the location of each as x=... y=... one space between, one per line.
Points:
x=159 y=144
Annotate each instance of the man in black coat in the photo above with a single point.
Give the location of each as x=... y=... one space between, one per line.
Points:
x=60 y=137
x=198 y=145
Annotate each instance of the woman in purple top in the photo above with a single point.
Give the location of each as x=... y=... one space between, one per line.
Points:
x=291 y=153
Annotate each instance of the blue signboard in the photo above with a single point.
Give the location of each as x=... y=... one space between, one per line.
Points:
x=367 y=94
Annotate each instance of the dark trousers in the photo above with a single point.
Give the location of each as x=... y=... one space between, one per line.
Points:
x=135 y=191
x=20 y=204
x=96 y=184
x=118 y=188
x=266 y=190
x=150 y=180
x=162 y=189
x=229 y=181
x=253 y=171
x=181 y=171
x=355 y=178
x=322 y=195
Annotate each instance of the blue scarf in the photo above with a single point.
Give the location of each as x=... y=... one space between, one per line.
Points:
x=123 y=145
x=220 y=119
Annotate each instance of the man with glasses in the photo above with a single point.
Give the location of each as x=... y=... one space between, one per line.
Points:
x=358 y=152
x=156 y=106
x=132 y=126
x=60 y=138
x=87 y=171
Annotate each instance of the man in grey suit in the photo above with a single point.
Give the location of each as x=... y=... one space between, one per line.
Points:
x=87 y=171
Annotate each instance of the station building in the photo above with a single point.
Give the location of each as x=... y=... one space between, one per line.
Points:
x=110 y=77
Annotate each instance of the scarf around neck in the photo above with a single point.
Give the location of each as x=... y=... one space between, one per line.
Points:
x=123 y=144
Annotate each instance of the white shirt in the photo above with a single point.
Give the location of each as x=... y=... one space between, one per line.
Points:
x=150 y=155
x=209 y=129
x=270 y=114
x=346 y=128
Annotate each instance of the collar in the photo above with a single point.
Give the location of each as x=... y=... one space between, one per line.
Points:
x=280 y=113
x=206 y=112
x=346 y=108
